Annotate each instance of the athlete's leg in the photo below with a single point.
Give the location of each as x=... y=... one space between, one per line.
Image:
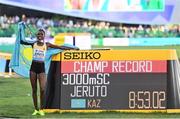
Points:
x=42 y=85
x=33 y=80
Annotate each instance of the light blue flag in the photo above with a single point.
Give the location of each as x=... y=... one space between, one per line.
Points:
x=22 y=55
x=78 y=103
x=19 y=63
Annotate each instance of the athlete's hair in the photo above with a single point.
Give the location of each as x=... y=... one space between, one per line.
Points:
x=43 y=30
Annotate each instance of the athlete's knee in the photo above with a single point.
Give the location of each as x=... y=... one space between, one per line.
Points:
x=42 y=90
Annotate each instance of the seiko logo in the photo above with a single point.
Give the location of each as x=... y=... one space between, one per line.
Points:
x=81 y=55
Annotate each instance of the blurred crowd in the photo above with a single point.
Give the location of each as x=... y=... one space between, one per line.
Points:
x=98 y=29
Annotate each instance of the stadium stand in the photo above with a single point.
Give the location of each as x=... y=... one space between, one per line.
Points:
x=98 y=29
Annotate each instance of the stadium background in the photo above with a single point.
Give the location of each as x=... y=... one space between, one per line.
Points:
x=142 y=29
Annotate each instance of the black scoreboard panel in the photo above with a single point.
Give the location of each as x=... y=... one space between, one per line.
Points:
x=113 y=91
x=106 y=81
x=114 y=83
x=173 y=85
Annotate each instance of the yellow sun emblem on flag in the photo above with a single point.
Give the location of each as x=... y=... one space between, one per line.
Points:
x=27 y=53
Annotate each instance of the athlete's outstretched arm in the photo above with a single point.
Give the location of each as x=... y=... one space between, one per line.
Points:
x=61 y=47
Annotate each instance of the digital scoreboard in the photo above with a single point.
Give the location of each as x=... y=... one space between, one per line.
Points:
x=114 y=5
x=114 y=79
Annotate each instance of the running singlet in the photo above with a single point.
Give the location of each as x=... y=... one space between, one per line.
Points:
x=39 y=52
